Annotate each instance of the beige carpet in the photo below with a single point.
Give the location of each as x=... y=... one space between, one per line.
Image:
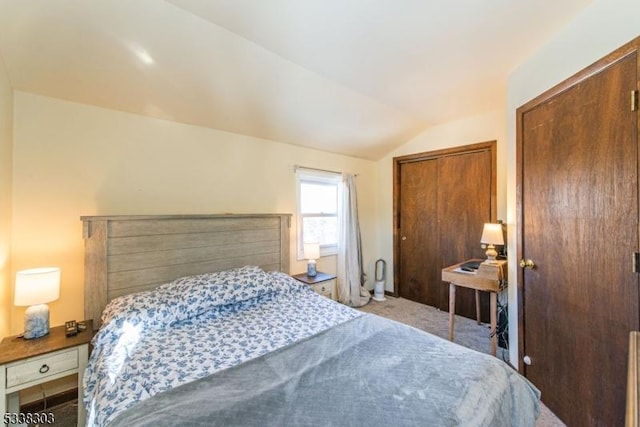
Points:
x=467 y=333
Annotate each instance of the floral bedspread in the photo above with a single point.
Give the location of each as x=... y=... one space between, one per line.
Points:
x=154 y=341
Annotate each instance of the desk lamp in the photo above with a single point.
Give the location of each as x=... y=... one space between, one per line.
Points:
x=34 y=288
x=492 y=235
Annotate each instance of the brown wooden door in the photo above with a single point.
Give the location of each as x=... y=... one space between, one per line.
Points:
x=419 y=233
x=464 y=205
x=578 y=201
x=443 y=198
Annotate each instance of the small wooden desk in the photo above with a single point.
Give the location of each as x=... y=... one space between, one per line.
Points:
x=489 y=277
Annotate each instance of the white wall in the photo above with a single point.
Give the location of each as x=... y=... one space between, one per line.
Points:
x=6 y=142
x=485 y=127
x=72 y=159
x=597 y=30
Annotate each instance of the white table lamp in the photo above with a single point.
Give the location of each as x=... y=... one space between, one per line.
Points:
x=492 y=235
x=311 y=253
x=35 y=288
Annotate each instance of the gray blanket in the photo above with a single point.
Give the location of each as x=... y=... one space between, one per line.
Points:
x=368 y=371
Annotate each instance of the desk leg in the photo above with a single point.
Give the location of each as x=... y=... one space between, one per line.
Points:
x=478 y=306
x=452 y=309
x=494 y=308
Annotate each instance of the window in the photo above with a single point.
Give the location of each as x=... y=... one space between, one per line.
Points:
x=318 y=210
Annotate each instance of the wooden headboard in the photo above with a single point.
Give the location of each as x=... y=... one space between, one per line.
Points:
x=127 y=254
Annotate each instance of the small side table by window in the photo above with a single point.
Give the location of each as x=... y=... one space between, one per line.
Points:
x=322 y=283
x=26 y=363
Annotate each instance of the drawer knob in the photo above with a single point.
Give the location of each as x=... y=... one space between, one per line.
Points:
x=44 y=369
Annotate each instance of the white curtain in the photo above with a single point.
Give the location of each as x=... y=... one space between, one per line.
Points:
x=350 y=273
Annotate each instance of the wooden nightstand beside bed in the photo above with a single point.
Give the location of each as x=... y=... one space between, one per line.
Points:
x=26 y=363
x=322 y=283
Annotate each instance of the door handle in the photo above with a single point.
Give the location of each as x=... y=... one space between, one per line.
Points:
x=527 y=263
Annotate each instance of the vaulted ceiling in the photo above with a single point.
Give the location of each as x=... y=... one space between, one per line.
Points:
x=357 y=77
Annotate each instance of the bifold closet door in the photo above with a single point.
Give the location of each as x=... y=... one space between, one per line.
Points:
x=464 y=205
x=419 y=255
x=443 y=199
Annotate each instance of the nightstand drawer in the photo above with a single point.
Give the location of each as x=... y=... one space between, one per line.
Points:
x=324 y=288
x=36 y=368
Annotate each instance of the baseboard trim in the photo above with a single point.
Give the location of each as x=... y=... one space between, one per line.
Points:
x=49 y=402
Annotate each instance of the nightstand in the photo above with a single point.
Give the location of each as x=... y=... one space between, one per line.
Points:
x=322 y=283
x=25 y=363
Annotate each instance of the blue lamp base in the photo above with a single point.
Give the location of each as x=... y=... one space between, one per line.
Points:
x=311 y=268
x=36 y=321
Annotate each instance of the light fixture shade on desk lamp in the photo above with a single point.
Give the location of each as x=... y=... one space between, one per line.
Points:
x=35 y=288
x=492 y=235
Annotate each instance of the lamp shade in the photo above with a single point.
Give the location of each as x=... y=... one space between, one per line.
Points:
x=492 y=234
x=311 y=250
x=37 y=286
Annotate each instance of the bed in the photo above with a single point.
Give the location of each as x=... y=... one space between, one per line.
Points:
x=200 y=324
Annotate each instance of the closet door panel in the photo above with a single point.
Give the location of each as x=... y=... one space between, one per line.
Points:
x=464 y=205
x=419 y=232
